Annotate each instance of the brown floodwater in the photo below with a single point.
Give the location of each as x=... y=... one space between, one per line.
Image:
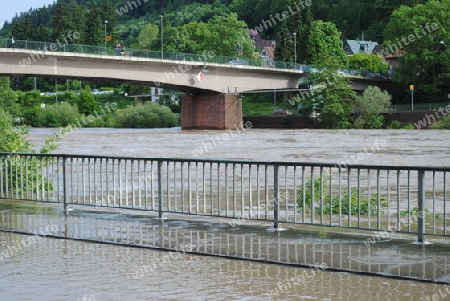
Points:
x=377 y=147
x=61 y=269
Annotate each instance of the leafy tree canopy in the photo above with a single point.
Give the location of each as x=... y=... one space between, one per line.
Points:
x=419 y=31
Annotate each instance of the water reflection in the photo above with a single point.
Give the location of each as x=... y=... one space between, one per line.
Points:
x=298 y=248
x=59 y=269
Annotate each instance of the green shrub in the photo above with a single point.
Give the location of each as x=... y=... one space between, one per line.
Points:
x=15 y=141
x=395 y=124
x=87 y=104
x=442 y=124
x=415 y=212
x=324 y=203
x=374 y=122
x=148 y=115
x=57 y=115
x=369 y=106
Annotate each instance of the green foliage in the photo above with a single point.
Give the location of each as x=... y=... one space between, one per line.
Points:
x=415 y=212
x=395 y=124
x=230 y=30
x=28 y=172
x=426 y=61
x=87 y=104
x=8 y=101
x=368 y=62
x=325 y=47
x=57 y=115
x=347 y=203
x=146 y=37
x=148 y=115
x=12 y=140
x=374 y=121
x=257 y=109
x=369 y=105
x=441 y=124
x=332 y=98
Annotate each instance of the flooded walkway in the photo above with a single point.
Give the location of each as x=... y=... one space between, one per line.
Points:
x=394 y=256
x=130 y=255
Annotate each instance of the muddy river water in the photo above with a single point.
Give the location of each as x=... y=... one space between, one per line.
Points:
x=60 y=269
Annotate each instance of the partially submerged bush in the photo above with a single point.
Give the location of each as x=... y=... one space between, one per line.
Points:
x=335 y=205
x=442 y=124
x=148 y=115
x=57 y=115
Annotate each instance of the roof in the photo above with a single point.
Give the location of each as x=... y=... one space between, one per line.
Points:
x=359 y=46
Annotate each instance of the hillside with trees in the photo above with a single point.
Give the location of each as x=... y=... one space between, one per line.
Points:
x=215 y=25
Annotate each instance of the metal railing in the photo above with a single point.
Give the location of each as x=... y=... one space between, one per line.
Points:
x=175 y=56
x=381 y=198
x=419 y=106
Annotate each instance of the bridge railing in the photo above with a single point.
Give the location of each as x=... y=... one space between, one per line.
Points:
x=177 y=56
x=392 y=199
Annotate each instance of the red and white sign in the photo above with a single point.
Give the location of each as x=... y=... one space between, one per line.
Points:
x=200 y=77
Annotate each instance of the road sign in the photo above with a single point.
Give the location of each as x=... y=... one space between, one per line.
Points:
x=108 y=38
x=411 y=87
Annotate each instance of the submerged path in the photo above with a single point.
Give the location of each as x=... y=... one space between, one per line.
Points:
x=394 y=256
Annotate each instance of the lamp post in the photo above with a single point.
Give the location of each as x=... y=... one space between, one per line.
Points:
x=162 y=36
x=239 y=43
x=106 y=22
x=295 y=50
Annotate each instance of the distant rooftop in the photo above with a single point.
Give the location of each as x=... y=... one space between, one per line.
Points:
x=359 y=46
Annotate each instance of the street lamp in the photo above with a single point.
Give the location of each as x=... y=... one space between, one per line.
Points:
x=239 y=43
x=295 y=49
x=106 y=22
x=162 y=36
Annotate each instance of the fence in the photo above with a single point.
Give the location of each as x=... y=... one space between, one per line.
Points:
x=419 y=106
x=380 y=198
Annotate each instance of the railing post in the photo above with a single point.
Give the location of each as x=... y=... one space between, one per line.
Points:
x=275 y=196
x=160 y=187
x=64 y=183
x=421 y=199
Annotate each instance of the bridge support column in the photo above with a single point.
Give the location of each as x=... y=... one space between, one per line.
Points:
x=214 y=112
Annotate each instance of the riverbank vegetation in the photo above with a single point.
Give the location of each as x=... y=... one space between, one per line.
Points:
x=84 y=109
x=313 y=34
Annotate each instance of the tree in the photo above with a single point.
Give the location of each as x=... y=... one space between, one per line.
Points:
x=8 y=100
x=87 y=104
x=367 y=62
x=369 y=105
x=197 y=32
x=23 y=29
x=68 y=18
x=325 y=47
x=331 y=98
x=95 y=34
x=418 y=31
x=176 y=39
x=225 y=32
x=284 y=46
x=147 y=35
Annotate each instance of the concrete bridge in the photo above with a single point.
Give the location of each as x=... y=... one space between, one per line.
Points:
x=212 y=99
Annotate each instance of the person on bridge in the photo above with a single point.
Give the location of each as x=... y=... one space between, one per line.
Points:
x=118 y=49
x=13 y=40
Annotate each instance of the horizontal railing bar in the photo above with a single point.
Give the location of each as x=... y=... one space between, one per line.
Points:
x=243 y=162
